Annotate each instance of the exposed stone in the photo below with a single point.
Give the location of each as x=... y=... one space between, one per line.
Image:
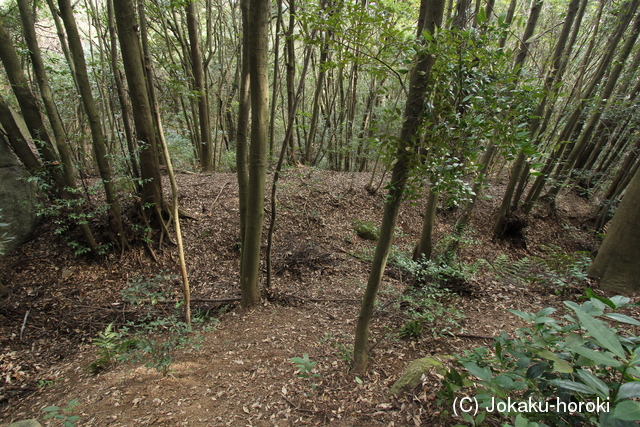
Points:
x=17 y=200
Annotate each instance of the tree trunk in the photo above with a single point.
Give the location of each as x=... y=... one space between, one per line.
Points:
x=99 y=146
x=257 y=34
x=244 y=109
x=431 y=17
x=425 y=246
x=199 y=87
x=616 y=264
x=133 y=61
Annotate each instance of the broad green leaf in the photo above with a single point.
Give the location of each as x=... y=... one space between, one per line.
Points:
x=526 y=316
x=592 y=309
x=476 y=371
x=618 y=317
x=480 y=418
x=595 y=382
x=599 y=331
x=546 y=311
x=521 y=421
x=597 y=356
x=575 y=386
x=620 y=301
x=573 y=340
x=51 y=409
x=536 y=370
x=547 y=354
x=628 y=410
x=562 y=366
x=628 y=391
x=604 y=300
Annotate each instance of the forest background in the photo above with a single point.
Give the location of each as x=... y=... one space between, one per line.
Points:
x=437 y=94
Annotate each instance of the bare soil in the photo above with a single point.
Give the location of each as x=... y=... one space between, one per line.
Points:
x=241 y=373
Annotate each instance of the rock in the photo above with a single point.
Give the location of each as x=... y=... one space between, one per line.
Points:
x=412 y=375
x=17 y=201
x=25 y=423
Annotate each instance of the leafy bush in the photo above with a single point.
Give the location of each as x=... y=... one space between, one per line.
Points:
x=578 y=358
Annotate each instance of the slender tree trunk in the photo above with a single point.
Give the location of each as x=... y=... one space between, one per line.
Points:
x=244 y=109
x=430 y=18
x=132 y=145
x=610 y=84
x=28 y=26
x=507 y=21
x=315 y=114
x=257 y=33
x=199 y=87
x=425 y=245
x=17 y=140
x=99 y=145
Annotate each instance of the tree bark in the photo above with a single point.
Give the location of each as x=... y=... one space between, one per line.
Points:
x=100 y=149
x=257 y=34
x=616 y=264
x=199 y=87
x=133 y=61
x=409 y=138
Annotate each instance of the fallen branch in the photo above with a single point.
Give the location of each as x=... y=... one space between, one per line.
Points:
x=174 y=301
x=24 y=323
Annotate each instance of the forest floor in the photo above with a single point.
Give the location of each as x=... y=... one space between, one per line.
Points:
x=240 y=372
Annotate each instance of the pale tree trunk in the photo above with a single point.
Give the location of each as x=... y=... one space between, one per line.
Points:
x=99 y=146
x=199 y=86
x=257 y=33
x=616 y=264
x=431 y=12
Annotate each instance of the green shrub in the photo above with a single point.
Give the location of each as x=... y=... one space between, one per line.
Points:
x=586 y=356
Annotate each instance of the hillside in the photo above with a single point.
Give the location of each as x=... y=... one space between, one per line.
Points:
x=241 y=373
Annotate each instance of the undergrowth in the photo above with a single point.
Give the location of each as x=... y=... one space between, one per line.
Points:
x=155 y=335
x=580 y=368
x=555 y=269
